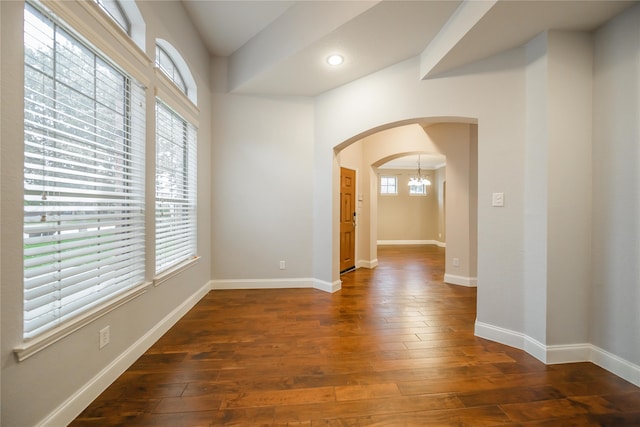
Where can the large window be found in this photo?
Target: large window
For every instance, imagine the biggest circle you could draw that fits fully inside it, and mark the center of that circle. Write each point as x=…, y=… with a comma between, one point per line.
x=175, y=188
x=83, y=177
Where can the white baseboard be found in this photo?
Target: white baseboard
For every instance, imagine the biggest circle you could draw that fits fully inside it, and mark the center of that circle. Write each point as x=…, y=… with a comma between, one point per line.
x=619, y=366
x=363, y=263
x=276, y=284
x=498, y=334
x=327, y=286
x=471, y=282
x=76, y=403
x=568, y=353
x=555, y=354
x=411, y=242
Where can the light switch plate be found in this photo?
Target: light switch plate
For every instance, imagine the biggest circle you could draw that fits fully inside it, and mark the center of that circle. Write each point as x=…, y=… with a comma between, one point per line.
x=497, y=199
x=105, y=336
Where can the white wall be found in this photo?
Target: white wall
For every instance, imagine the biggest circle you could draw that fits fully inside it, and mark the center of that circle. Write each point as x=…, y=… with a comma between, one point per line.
x=2, y=125
x=458, y=142
x=56, y=383
x=615, y=299
x=536, y=184
x=442, y=211
x=558, y=189
x=263, y=188
x=262, y=162
x=569, y=99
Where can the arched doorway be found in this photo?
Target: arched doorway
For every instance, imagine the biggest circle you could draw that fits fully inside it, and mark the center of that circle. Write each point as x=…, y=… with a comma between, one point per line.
x=456, y=141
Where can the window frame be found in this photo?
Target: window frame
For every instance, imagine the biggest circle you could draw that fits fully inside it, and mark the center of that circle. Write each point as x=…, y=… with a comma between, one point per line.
x=66, y=324
x=182, y=104
x=383, y=185
x=188, y=177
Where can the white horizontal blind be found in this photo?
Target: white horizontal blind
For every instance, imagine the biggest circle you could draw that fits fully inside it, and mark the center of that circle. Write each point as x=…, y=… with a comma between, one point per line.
x=83, y=176
x=175, y=188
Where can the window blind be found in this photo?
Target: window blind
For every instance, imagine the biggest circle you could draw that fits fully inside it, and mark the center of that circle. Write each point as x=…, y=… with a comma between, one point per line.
x=84, y=130
x=175, y=188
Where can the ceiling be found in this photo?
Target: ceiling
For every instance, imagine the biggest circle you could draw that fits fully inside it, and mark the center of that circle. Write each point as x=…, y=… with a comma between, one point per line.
x=427, y=162
x=280, y=47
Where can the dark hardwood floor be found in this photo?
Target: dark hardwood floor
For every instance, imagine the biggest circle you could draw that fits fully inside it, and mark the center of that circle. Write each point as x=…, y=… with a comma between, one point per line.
x=394, y=347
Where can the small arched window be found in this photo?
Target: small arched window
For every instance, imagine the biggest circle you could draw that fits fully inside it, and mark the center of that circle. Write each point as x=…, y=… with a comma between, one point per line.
x=126, y=14
x=166, y=64
x=115, y=11
x=171, y=63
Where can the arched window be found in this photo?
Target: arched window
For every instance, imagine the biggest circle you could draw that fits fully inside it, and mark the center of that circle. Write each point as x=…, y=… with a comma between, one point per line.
x=171, y=63
x=126, y=14
x=166, y=64
x=114, y=10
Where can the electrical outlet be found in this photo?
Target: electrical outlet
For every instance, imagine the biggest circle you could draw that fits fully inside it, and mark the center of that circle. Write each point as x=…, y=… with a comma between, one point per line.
x=283, y=265
x=456, y=262
x=105, y=336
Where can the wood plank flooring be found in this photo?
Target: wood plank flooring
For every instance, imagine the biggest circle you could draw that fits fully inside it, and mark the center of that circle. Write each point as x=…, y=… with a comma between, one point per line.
x=394, y=347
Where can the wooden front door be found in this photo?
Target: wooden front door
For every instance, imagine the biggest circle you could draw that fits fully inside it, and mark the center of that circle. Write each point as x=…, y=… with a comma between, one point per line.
x=347, y=219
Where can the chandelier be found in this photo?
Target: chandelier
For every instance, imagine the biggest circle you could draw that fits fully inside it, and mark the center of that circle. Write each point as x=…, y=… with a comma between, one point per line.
x=419, y=180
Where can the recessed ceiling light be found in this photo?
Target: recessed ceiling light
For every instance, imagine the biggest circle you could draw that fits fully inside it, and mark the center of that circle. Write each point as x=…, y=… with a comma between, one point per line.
x=335, y=59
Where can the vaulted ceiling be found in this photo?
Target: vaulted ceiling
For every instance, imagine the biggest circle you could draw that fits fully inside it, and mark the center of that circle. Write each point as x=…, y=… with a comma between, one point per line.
x=280, y=47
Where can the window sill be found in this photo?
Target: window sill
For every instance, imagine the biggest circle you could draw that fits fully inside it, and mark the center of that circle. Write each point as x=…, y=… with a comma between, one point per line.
x=175, y=270
x=35, y=345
